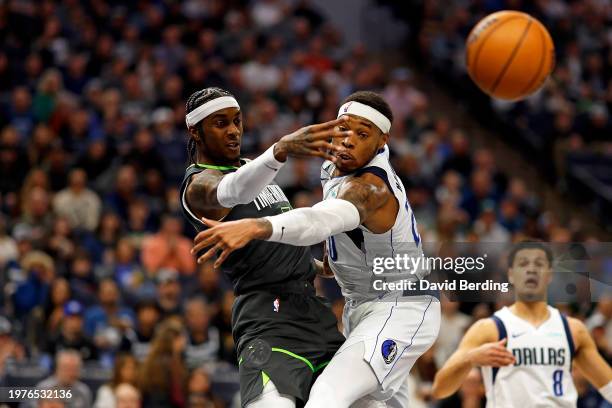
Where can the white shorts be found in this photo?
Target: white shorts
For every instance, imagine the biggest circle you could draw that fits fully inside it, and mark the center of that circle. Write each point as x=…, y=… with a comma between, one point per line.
x=395, y=334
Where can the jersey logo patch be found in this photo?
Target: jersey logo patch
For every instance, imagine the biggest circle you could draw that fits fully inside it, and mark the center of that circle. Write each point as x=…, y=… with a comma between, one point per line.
x=389, y=350
x=276, y=304
x=514, y=336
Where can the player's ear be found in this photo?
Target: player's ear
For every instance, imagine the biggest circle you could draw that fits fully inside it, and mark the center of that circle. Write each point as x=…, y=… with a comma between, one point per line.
x=383, y=140
x=193, y=132
x=549, y=275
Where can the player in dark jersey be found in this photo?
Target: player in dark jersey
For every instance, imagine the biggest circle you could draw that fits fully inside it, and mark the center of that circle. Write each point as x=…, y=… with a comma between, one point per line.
x=284, y=333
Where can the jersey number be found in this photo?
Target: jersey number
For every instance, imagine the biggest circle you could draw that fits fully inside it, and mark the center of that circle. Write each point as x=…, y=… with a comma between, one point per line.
x=558, y=383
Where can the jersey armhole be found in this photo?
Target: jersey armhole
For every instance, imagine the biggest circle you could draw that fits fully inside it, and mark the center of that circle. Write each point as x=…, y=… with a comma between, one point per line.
x=378, y=172
x=502, y=334
x=568, y=336
x=186, y=205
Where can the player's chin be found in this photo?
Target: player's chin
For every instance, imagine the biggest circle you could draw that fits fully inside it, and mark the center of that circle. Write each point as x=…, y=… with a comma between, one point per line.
x=232, y=152
x=347, y=166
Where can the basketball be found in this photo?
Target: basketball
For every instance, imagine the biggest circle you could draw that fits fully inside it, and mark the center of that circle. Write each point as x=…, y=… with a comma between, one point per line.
x=509, y=55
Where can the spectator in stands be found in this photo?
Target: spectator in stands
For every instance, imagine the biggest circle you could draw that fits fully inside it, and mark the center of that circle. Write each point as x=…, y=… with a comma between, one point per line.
x=72, y=335
x=199, y=392
x=10, y=349
x=169, y=292
x=106, y=321
x=203, y=340
x=38, y=273
x=59, y=295
x=164, y=372
x=168, y=249
x=81, y=278
x=108, y=311
x=67, y=373
x=455, y=323
x=124, y=191
x=8, y=245
x=77, y=203
x=137, y=341
x=127, y=271
x=125, y=371
x=208, y=284
x=127, y=396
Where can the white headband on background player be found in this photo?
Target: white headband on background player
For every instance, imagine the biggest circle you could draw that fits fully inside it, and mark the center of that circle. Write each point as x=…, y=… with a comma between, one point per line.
x=367, y=112
x=245, y=184
x=209, y=108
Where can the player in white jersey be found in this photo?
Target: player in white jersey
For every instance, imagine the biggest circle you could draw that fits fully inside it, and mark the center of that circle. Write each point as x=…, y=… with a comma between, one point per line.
x=364, y=215
x=526, y=351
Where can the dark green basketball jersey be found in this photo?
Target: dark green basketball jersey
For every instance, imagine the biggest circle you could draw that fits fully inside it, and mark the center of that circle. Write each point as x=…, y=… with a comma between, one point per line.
x=259, y=263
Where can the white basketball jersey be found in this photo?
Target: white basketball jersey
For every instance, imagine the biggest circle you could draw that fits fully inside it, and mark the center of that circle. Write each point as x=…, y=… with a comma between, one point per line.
x=351, y=254
x=541, y=375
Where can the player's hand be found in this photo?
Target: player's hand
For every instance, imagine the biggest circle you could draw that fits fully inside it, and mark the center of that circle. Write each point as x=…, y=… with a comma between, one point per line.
x=311, y=141
x=491, y=354
x=227, y=237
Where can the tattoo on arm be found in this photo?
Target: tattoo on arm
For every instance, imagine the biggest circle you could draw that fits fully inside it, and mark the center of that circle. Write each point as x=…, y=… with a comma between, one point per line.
x=201, y=192
x=366, y=196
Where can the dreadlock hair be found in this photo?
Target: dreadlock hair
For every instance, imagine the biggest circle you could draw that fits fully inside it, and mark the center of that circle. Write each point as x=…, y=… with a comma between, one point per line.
x=199, y=98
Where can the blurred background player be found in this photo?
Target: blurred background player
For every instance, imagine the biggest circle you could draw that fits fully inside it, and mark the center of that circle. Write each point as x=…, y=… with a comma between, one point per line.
x=365, y=213
x=526, y=351
x=276, y=306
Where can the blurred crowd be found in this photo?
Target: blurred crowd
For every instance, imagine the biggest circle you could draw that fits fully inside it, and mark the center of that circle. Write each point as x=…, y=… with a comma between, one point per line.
x=98, y=289
x=570, y=119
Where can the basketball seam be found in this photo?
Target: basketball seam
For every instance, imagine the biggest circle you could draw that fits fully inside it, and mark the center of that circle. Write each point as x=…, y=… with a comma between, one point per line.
x=531, y=82
x=514, y=52
x=482, y=43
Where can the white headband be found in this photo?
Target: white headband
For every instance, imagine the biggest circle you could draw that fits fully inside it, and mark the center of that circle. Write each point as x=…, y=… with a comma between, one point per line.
x=209, y=108
x=366, y=112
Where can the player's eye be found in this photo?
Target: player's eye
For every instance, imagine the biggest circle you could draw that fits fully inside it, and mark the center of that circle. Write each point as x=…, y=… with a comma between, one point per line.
x=237, y=121
x=221, y=123
x=363, y=135
x=342, y=128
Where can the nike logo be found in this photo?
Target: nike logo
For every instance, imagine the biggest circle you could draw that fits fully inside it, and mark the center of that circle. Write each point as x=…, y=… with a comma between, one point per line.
x=514, y=336
x=282, y=233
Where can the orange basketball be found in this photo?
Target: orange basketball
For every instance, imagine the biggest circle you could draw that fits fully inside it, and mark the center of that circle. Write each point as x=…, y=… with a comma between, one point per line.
x=509, y=55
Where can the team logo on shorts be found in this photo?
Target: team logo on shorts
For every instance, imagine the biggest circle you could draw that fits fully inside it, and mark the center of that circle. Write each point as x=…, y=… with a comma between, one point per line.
x=276, y=305
x=389, y=350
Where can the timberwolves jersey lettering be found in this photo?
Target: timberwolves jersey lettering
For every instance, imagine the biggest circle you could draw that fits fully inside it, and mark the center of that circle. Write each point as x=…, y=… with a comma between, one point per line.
x=541, y=375
x=351, y=254
x=259, y=263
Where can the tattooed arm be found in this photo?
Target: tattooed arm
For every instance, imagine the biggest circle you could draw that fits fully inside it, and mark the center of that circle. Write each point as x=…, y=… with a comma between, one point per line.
x=358, y=202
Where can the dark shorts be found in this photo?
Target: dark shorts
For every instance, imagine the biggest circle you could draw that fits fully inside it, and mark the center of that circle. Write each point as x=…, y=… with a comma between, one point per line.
x=286, y=336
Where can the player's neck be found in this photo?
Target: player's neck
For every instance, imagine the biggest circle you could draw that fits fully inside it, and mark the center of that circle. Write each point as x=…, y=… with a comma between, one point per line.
x=535, y=313
x=206, y=159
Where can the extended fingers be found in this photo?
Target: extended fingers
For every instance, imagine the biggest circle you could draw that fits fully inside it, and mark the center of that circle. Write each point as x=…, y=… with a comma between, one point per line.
x=226, y=252
x=202, y=240
x=331, y=133
x=327, y=125
x=210, y=253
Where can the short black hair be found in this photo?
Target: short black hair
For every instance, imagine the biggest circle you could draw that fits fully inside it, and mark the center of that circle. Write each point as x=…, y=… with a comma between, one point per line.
x=198, y=98
x=373, y=100
x=530, y=245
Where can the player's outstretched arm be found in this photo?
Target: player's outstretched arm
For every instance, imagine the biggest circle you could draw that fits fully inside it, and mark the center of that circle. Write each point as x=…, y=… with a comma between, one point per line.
x=589, y=361
x=300, y=227
x=480, y=346
x=210, y=191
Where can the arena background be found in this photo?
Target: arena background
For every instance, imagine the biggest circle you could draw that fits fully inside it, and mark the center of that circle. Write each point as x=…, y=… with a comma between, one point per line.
x=94, y=253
